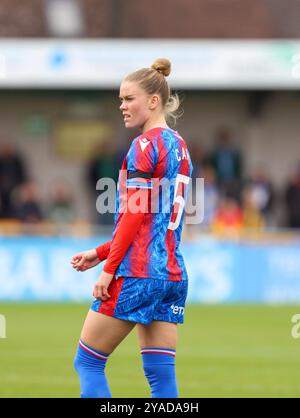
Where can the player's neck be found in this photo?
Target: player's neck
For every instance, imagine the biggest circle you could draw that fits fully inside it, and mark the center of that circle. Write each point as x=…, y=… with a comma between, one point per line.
x=159, y=122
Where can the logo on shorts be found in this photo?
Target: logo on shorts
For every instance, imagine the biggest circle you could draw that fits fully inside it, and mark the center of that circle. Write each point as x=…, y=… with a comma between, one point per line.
x=177, y=310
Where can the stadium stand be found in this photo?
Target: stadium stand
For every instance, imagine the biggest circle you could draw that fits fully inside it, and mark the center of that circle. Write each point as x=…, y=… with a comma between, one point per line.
x=241, y=19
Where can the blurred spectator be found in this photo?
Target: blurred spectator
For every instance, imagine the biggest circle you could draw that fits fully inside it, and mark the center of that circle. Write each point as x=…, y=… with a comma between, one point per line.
x=61, y=207
x=252, y=215
x=12, y=174
x=27, y=204
x=211, y=195
x=198, y=158
x=124, y=147
x=228, y=221
x=261, y=191
x=104, y=164
x=227, y=162
x=292, y=199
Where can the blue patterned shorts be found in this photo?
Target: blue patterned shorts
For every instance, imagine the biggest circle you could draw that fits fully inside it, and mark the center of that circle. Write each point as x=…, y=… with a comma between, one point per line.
x=144, y=300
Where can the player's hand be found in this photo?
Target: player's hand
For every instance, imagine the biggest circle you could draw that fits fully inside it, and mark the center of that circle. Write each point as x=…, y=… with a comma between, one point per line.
x=85, y=260
x=101, y=286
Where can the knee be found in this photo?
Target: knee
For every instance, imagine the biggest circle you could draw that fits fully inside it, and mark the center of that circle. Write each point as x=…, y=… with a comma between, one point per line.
x=159, y=370
x=149, y=370
x=79, y=360
x=162, y=380
x=90, y=367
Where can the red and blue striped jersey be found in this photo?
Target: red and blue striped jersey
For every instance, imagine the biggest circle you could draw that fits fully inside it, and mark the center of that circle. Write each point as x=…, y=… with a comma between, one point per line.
x=157, y=160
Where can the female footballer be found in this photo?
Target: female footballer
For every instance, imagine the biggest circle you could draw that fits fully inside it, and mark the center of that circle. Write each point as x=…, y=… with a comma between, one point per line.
x=144, y=281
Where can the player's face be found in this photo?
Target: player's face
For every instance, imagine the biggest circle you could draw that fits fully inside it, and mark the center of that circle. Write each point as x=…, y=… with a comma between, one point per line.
x=135, y=104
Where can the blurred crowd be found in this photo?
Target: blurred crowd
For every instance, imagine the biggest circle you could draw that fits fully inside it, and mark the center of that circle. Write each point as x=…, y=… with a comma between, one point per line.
x=233, y=202
x=20, y=200
x=236, y=203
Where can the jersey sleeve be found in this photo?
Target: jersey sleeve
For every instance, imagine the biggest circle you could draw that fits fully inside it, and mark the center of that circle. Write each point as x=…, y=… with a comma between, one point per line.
x=103, y=251
x=141, y=162
x=126, y=230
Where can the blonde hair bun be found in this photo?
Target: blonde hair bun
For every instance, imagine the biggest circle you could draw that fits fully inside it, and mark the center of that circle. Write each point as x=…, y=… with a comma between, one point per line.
x=162, y=65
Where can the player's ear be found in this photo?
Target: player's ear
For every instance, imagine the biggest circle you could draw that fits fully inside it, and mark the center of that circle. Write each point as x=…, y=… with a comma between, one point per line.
x=154, y=101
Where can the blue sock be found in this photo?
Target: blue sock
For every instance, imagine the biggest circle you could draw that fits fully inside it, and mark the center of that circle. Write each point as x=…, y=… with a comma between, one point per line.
x=90, y=365
x=159, y=368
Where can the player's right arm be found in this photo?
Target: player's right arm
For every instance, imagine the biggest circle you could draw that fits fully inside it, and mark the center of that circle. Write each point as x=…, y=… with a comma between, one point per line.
x=141, y=161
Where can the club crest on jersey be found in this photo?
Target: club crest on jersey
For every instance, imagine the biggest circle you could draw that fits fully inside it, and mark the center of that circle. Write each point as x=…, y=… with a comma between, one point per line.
x=143, y=143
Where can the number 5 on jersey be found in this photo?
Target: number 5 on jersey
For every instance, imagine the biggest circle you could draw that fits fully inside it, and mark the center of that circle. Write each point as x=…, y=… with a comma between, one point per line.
x=181, y=184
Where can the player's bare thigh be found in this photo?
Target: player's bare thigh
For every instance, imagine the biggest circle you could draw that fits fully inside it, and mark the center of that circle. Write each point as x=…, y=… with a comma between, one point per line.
x=104, y=333
x=158, y=334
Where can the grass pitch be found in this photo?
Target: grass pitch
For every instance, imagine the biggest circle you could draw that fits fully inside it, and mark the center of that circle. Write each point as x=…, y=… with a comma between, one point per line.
x=223, y=351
